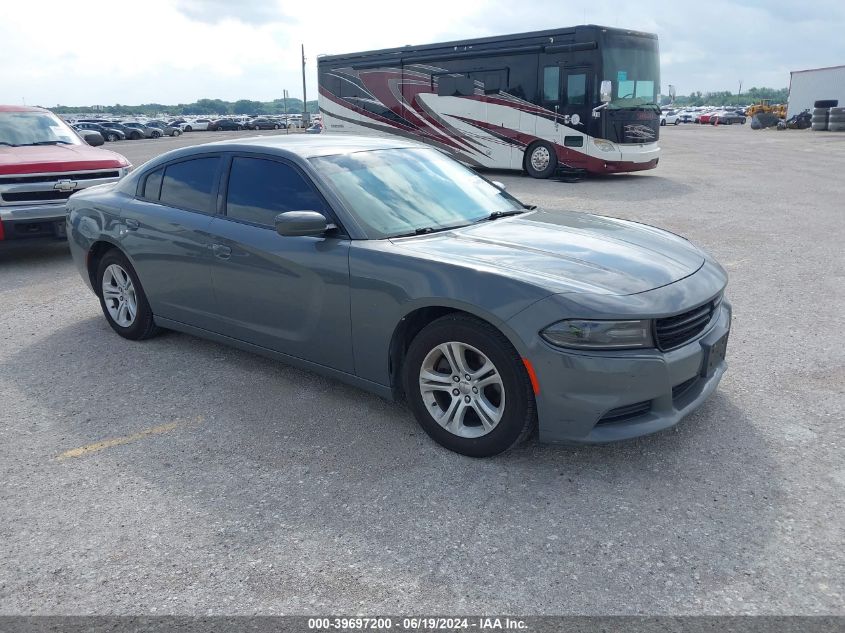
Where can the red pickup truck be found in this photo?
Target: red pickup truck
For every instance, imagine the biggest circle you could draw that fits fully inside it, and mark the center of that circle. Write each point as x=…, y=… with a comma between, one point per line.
x=42, y=162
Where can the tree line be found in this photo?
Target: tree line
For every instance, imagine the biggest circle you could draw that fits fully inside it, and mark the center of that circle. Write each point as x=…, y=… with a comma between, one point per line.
x=726, y=97
x=202, y=106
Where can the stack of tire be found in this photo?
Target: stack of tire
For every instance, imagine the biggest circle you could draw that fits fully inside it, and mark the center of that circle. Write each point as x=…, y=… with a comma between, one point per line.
x=836, y=120
x=826, y=114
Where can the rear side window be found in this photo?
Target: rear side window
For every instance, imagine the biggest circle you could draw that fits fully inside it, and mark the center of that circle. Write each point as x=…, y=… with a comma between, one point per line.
x=551, y=83
x=152, y=186
x=260, y=189
x=188, y=184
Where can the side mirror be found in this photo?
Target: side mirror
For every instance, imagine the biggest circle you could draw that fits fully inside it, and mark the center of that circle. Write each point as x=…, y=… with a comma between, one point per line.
x=301, y=224
x=606, y=91
x=92, y=137
x=498, y=185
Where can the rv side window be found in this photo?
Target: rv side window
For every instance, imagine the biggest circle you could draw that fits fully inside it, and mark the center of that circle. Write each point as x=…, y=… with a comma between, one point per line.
x=576, y=89
x=450, y=86
x=551, y=83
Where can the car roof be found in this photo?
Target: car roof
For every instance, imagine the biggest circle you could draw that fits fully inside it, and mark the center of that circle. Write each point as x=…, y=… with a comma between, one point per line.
x=21, y=108
x=311, y=145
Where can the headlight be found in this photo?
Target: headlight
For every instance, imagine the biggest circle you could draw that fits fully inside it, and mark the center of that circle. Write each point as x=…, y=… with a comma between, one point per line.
x=584, y=334
x=603, y=145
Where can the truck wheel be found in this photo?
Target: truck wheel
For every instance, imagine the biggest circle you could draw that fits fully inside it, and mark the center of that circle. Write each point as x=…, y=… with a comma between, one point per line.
x=540, y=160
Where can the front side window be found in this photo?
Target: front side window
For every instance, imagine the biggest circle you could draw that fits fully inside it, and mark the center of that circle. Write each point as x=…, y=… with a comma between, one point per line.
x=551, y=83
x=188, y=184
x=396, y=192
x=576, y=89
x=260, y=189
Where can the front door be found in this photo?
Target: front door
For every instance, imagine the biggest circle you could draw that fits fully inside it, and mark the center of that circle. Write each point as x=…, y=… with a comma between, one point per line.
x=288, y=294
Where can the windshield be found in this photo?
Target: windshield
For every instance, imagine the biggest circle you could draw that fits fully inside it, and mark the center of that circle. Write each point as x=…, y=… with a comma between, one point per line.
x=395, y=192
x=35, y=128
x=635, y=72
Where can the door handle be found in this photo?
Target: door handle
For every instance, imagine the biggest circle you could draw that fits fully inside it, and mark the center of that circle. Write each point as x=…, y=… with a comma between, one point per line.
x=132, y=225
x=220, y=251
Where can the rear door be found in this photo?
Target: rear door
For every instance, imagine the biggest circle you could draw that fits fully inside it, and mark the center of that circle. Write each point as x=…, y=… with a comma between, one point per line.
x=288, y=294
x=166, y=234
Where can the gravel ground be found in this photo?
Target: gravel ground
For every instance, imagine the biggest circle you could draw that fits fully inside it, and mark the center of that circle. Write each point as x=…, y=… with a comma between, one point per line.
x=244, y=486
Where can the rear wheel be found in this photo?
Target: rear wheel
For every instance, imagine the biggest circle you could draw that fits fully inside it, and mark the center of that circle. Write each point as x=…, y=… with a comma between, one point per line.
x=468, y=388
x=122, y=298
x=111, y=137
x=540, y=160
x=188, y=128
x=177, y=132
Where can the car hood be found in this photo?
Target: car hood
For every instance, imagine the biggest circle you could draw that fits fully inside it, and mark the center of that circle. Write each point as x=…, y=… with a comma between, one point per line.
x=567, y=252
x=57, y=158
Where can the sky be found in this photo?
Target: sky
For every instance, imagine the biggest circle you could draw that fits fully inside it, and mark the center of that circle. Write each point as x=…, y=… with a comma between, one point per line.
x=178, y=51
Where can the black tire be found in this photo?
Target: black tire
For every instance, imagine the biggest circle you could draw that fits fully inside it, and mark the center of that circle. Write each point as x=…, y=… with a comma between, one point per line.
x=177, y=132
x=111, y=137
x=836, y=127
x=836, y=118
x=136, y=136
x=519, y=415
x=552, y=164
x=826, y=103
x=240, y=127
x=143, y=326
x=837, y=111
x=662, y=122
x=188, y=128
x=677, y=121
x=818, y=127
x=156, y=134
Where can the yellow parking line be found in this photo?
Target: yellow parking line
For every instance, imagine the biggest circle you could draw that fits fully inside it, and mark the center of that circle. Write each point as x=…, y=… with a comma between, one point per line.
x=119, y=441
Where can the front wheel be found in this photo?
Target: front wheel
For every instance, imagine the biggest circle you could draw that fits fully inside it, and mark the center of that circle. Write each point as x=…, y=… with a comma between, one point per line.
x=122, y=298
x=177, y=132
x=468, y=388
x=540, y=160
x=188, y=128
x=111, y=137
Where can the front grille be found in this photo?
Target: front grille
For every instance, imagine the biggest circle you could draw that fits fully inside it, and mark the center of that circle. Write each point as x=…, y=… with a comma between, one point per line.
x=628, y=412
x=674, y=331
x=36, y=196
x=21, y=180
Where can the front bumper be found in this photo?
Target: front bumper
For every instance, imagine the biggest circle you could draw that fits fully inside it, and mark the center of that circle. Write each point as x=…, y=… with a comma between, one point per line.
x=608, y=396
x=33, y=221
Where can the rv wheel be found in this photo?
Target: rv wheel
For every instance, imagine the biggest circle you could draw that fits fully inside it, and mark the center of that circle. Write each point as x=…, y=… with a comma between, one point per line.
x=540, y=160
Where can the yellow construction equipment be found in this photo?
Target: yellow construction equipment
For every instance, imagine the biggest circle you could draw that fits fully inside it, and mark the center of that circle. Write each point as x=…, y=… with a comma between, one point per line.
x=765, y=105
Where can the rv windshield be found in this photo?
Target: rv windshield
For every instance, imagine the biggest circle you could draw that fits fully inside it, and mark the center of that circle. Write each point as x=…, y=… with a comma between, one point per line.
x=635, y=73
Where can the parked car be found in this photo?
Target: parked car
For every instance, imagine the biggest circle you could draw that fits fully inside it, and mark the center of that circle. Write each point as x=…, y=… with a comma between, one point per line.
x=399, y=270
x=129, y=132
x=108, y=133
x=197, y=125
x=166, y=129
x=669, y=117
x=314, y=129
x=224, y=124
x=725, y=117
x=686, y=116
x=42, y=162
x=263, y=123
x=703, y=117
x=147, y=131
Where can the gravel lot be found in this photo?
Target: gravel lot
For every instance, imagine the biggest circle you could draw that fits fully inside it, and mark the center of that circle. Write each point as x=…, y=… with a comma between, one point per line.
x=265, y=489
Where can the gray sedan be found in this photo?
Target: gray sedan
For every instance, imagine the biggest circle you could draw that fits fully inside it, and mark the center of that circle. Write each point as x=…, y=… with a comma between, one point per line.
x=389, y=266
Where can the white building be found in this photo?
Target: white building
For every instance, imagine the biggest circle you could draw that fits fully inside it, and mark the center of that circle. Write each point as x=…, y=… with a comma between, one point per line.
x=808, y=86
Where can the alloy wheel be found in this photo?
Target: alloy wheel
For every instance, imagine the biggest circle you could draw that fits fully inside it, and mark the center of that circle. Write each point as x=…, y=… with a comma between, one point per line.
x=462, y=389
x=119, y=295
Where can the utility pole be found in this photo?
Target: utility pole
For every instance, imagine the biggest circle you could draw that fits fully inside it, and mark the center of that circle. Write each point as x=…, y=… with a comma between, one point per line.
x=306, y=119
x=287, y=120
x=739, y=94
